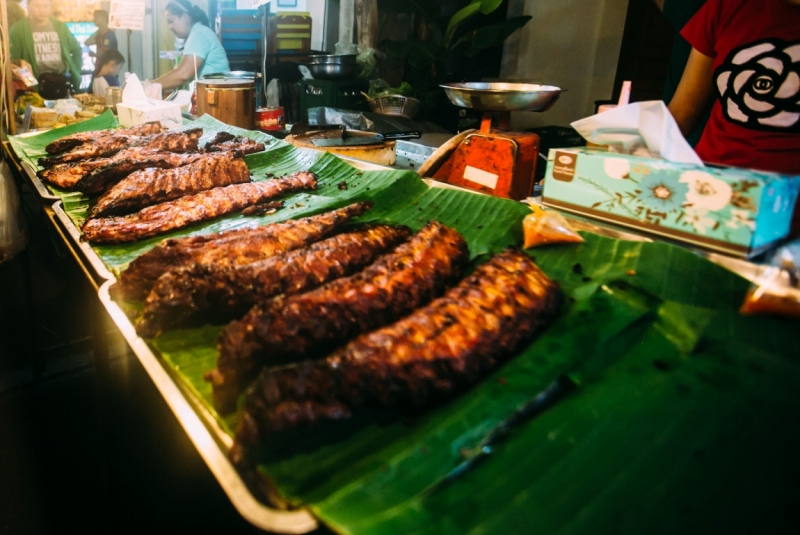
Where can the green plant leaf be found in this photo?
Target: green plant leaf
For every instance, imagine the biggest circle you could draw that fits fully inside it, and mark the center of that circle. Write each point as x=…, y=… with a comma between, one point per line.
x=461, y=16
x=487, y=6
x=494, y=34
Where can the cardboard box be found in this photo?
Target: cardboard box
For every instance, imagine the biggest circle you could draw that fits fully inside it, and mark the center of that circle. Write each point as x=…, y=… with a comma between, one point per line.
x=136, y=113
x=735, y=211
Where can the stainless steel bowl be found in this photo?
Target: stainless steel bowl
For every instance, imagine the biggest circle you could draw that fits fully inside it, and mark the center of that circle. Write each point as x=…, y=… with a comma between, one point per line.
x=499, y=96
x=329, y=71
x=327, y=59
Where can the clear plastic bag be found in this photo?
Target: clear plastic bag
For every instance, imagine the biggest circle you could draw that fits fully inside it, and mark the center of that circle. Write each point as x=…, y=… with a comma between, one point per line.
x=777, y=291
x=12, y=227
x=542, y=227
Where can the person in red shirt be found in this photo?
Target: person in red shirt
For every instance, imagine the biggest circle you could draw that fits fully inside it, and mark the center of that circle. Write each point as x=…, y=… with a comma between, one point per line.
x=746, y=57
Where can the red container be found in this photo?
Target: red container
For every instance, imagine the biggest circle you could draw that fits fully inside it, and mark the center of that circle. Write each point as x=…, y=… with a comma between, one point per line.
x=270, y=119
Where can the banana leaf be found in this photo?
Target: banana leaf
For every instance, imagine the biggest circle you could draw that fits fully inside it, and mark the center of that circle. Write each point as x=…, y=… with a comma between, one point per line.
x=650, y=404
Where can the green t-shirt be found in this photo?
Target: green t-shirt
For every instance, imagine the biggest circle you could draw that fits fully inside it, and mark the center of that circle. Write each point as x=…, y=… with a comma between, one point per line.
x=202, y=43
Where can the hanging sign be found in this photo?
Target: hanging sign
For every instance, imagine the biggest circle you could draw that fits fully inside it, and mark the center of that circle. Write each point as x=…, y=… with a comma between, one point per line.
x=126, y=15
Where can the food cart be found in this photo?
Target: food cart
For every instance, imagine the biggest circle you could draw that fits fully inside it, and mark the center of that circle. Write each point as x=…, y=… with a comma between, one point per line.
x=649, y=403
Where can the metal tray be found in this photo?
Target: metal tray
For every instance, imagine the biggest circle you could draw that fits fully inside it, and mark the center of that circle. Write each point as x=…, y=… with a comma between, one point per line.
x=211, y=441
x=200, y=425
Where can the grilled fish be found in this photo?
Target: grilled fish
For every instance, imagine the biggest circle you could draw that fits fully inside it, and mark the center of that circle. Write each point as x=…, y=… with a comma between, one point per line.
x=103, y=147
x=234, y=247
x=152, y=186
x=426, y=357
x=94, y=176
x=68, y=142
x=203, y=206
x=228, y=291
x=238, y=143
x=296, y=326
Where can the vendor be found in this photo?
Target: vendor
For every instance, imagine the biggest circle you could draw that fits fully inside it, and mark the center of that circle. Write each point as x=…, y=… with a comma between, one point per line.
x=109, y=65
x=104, y=39
x=47, y=44
x=745, y=59
x=202, y=51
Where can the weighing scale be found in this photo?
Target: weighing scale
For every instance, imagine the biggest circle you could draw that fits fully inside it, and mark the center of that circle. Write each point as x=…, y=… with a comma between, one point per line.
x=492, y=160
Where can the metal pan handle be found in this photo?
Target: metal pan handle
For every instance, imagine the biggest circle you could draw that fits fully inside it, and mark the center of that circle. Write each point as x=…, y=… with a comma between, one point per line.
x=409, y=134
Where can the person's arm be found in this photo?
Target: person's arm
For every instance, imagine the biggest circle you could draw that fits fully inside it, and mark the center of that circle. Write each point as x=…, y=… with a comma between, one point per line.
x=92, y=40
x=181, y=74
x=99, y=86
x=695, y=92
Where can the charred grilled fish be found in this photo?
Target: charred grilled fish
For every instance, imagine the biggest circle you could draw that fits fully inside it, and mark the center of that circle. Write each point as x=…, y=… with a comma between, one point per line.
x=426, y=357
x=102, y=147
x=296, y=326
x=228, y=291
x=147, y=187
x=234, y=247
x=210, y=204
x=94, y=176
x=68, y=142
x=238, y=143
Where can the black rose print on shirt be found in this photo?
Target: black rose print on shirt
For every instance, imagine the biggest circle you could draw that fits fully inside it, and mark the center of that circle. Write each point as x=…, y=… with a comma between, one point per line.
x=759, y=85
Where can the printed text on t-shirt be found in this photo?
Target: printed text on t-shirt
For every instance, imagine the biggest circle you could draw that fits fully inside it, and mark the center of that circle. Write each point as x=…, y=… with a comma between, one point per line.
x=47, y=46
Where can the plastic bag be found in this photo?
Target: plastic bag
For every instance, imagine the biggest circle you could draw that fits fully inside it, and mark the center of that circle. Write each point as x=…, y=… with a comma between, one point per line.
x=12, y=227
x=542, y=227
x=777, y=291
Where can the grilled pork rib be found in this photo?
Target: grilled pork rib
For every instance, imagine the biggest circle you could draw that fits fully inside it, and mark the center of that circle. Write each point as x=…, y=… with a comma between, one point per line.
x=147, y=187
x=107, y=146
x=68, y=142
x=242, y=144
x=427, y=356
x=234, y=247
x=94, y=176
x=228, y=291
x=203, y=206
x=291, y=327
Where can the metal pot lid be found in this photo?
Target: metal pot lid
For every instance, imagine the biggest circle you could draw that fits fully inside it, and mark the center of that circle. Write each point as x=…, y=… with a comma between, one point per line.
x=228, y=82
x=232, y=74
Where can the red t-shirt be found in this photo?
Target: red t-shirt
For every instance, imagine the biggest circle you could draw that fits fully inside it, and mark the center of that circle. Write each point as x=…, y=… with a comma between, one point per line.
x=755, y=122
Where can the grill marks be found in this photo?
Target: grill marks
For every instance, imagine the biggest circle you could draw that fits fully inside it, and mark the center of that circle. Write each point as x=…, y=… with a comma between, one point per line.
x=68, y=142
x=291, y=327
x=151, y=186
x=105, y=146
x=203, y=206
x=234, y=247
x=227, y=291
x=425, y=357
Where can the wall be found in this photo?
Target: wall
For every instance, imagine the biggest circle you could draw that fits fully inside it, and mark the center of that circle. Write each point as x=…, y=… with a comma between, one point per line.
x=572, y=44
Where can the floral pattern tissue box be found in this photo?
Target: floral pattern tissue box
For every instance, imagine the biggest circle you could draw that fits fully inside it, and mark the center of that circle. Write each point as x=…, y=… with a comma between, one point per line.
x=736, y=211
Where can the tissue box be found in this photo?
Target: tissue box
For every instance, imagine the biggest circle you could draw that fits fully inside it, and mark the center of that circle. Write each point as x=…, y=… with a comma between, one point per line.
x=735, y=211
x=135, y=113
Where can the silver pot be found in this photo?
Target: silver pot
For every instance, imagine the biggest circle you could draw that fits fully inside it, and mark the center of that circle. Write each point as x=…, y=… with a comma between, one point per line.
x=327, y=59
x=326, y=71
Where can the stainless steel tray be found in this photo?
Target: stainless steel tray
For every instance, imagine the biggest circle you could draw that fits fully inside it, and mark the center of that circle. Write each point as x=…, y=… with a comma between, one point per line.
x=211, y=441
x=203, y=430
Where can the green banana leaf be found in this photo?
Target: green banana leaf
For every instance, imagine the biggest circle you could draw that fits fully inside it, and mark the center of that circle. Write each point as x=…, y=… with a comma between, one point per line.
x=649, y=405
